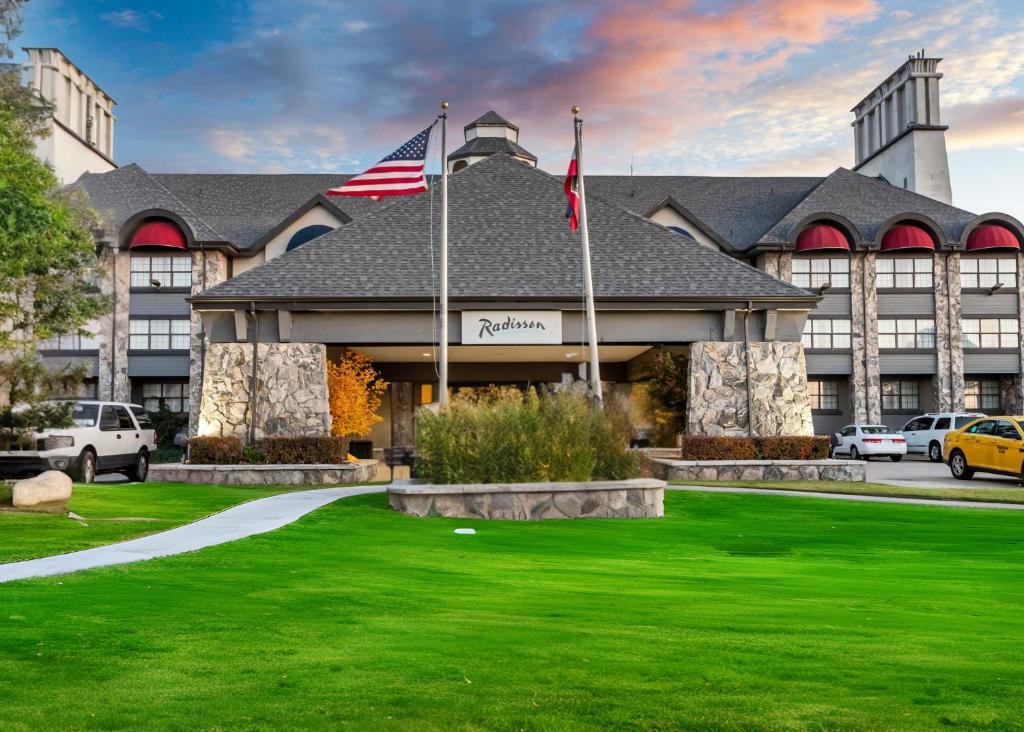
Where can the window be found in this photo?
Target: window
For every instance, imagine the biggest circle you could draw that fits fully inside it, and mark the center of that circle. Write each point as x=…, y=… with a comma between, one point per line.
x=906, y=333
x=919, y=424
x=108, y=420
x=985, y=427
x=848, y=431
x=900, y=272
x=70, y=343
x=877, y=429
x=168, y=271
x=942, y=423
x=172, y=397
x=158, y=335
x=124, y=419
x=900, y=396
x=988, y=272
x=142, y=417
x=990, y=332
x=813, y=272
x=981, y=394
x=1006, y=430
x=823, y=395
x=827, y=333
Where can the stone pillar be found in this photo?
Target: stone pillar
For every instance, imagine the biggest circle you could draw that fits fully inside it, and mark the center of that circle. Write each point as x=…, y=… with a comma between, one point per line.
x=115, y=281
x=291, y=390
x=403, y=418
x=208, y=269
x=1010, y=401
x=865, y=383
x=1018, y=397
x=948, y=381
x=778, y=264
x=717, y=392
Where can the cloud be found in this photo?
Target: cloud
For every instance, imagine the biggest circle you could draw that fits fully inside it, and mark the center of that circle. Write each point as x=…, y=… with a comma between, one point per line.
x=130, y=19
x=992, y=123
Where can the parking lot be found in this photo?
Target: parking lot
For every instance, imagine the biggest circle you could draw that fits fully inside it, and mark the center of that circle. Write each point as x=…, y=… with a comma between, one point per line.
x=917, y=471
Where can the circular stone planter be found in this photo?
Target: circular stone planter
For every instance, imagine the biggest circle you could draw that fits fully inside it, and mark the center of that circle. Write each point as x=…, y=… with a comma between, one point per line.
x=638, y=498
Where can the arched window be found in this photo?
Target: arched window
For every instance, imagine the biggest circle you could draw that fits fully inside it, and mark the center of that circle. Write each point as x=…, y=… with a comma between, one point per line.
x=157, y=232
x=459, y=165
x=305, y=234
x=684, y=232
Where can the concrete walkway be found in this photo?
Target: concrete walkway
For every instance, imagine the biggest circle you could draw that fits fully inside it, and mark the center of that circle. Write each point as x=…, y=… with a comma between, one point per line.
x=237, y=522
x=848, y=497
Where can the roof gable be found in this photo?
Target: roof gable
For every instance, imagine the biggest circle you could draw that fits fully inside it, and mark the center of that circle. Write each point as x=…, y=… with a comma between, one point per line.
x=508, y=239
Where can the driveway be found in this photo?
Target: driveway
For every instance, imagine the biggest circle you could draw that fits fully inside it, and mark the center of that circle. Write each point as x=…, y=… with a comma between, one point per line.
x=917, y=472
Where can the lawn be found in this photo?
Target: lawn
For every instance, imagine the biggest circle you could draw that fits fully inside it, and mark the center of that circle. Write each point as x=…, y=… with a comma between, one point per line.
x=104, y=508
x=984, y=495
x=733, y=612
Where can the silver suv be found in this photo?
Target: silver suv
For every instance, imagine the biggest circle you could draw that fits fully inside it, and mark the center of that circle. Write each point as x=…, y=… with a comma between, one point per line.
x=105, y=437
x=925, y=433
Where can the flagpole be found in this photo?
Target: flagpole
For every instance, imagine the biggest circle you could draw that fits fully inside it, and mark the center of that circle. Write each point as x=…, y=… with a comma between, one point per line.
x=443, y=376
x=595, y=365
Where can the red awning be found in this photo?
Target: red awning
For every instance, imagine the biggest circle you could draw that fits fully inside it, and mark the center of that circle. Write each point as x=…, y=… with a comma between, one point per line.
x=821, y=236
x=158, y=234
x=991, y=236
x=906, y=236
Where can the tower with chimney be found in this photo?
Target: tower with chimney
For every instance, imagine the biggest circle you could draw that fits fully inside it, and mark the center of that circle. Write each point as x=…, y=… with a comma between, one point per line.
x=898, y=132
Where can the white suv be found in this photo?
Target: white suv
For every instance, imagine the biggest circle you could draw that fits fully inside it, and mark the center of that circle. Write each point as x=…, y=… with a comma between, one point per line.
x=106, y=437
x=925, y=433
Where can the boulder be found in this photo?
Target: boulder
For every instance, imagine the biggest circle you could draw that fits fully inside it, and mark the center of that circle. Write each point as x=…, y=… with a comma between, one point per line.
x=52, y=486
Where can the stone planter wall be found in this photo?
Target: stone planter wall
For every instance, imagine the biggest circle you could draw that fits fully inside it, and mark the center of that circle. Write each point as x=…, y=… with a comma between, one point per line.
x=639, y=498
x=362, y=472
x=686, y=470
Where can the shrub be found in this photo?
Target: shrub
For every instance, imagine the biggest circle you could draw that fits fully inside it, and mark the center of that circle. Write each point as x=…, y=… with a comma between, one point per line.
x=505, y=436
x=754, y=448
x=268, y=451
x=215, y=450
x=167, y=424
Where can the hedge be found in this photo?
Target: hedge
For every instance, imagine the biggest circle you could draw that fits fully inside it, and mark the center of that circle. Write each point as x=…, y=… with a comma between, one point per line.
x=268, y=451
x=754, y=448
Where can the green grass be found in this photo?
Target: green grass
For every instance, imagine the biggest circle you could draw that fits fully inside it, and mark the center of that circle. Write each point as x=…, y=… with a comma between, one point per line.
x=997, y=495
x=30, y=535
x=733, y=612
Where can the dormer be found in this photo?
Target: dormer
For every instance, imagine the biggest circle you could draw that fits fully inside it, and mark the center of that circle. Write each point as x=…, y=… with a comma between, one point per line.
x=486, y=135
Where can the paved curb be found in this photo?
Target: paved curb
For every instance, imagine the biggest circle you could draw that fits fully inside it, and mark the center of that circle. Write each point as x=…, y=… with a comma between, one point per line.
x=848, y=497
x=246, y=519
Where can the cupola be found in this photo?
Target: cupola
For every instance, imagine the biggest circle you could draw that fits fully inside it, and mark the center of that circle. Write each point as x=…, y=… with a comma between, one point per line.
x=486, y=135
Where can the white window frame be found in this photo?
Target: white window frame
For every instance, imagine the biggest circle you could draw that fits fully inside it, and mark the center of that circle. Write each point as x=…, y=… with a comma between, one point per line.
x=990, y=333
x=977, y=273
x=159, y=334
x=172, y=271
x=904, y=273
x=813, y=272
x=906, y=334
x=827, y=334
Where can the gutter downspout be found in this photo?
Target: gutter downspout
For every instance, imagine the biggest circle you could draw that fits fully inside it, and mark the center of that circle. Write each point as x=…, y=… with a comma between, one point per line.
x=252, y=379
x=746, y=355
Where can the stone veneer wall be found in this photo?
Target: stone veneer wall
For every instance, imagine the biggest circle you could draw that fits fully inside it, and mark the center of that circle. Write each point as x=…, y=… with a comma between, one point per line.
x=291, y=390
x=208, y=269
x=717, y=393
x=866, y=387
x=1016, y=405
x=685, y=470
x=948, y=381
x=115, y=276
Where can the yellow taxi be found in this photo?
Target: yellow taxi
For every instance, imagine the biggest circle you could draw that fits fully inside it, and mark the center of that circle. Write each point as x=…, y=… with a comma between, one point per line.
x=988, y=445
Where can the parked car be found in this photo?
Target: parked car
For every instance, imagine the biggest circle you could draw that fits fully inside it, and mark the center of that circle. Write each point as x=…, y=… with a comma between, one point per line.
x=988, y=445
x=105, y=437
x=864, y=441
x=925, y=434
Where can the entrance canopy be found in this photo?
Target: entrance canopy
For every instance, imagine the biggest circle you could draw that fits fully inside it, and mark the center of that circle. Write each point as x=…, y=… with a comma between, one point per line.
x=567, y=354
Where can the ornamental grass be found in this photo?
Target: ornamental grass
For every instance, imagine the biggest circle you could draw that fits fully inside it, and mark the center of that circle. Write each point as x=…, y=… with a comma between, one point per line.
x=503, y=435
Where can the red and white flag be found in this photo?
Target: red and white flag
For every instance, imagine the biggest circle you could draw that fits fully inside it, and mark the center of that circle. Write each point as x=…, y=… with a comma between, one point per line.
x=572, y=194
x=399, y=174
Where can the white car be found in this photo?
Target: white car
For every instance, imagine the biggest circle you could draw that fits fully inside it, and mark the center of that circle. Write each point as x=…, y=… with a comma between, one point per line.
x=106, y=437
x=925, y=434
x=864, y=441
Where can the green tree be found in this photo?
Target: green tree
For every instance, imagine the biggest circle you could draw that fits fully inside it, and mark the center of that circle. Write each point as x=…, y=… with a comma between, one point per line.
x=47, y=255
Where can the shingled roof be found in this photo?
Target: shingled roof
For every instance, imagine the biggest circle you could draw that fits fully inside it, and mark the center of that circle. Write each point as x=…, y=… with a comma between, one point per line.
x=486, y=146
x=867, y=203
x=491, y=119
x=508, y=239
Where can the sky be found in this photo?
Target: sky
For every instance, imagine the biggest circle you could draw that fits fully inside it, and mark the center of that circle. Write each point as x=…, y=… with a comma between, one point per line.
x=684, y=87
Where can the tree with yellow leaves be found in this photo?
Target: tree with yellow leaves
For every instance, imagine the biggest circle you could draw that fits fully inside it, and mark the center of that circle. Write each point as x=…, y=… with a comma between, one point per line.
x=355, y=390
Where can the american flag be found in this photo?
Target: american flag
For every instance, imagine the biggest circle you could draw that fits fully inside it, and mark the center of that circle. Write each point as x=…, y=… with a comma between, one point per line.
x=400, y=173
x=572, y=194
